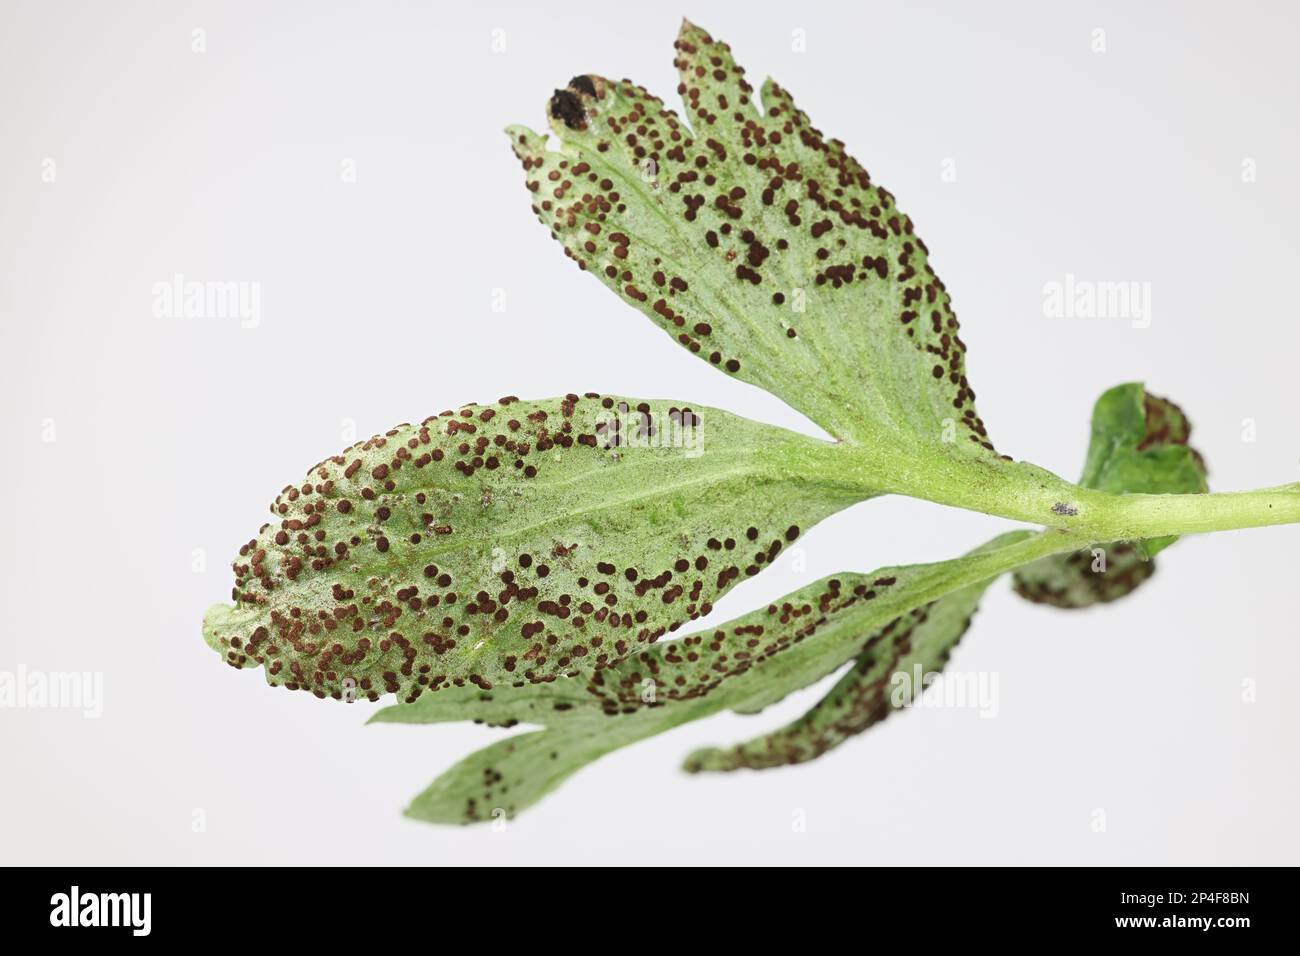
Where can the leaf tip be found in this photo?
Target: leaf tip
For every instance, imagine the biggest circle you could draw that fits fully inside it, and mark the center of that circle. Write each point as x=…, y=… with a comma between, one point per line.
x=222, y=626
x=705, y=760
x=525, y=143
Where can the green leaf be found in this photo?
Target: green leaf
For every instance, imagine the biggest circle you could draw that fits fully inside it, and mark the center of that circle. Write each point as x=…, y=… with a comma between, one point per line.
x=512, y=774
x=761, y=246
x=1139, y=445
x=514, y=543
x=883, y=678
x=901, y=614
x=1091, y=576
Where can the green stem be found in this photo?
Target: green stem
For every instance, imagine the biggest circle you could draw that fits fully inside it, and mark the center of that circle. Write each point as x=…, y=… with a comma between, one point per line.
x=1024, y=492
x=1117, y=517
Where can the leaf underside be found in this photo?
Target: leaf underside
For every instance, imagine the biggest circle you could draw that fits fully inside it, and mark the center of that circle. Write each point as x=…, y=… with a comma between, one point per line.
x=512, y=543
x=1139, y=444
x=760, y=245
x=864, y=696
x=743, y=665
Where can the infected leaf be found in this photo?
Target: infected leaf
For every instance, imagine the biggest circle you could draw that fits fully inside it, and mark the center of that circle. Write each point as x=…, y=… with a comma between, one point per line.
x=514, y=543
x=1139, y=445
x=867, y=693
x=761, y=246
x=900, y=614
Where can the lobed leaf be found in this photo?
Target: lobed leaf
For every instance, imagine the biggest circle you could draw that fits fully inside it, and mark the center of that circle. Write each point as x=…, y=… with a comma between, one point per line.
x=895, y=614
x=865, y=695
x=514, y=543
x=761, y=246
x=1139, y=444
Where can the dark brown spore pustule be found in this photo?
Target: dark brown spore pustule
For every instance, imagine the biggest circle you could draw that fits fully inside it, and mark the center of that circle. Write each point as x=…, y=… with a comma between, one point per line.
x=566, y=106
x=583, y=84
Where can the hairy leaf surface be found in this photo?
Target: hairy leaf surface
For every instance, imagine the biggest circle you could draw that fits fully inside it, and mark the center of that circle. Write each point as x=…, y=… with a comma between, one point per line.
x=867, y=693
x=894, y=614
x=761, y=246
x=513, y=544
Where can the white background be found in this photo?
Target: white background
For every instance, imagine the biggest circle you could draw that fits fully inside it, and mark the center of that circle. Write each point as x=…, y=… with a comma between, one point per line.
x=174, y=434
